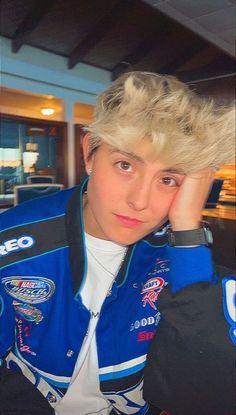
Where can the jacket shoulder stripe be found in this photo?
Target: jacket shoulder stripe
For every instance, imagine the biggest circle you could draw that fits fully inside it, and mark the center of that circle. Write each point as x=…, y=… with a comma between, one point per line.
x=122, y=373
x=129, y=367
x=36, y=256
x=32, y=222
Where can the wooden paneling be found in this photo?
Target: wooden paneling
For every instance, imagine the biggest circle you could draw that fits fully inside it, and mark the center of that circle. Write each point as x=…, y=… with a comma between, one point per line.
x=224, y=240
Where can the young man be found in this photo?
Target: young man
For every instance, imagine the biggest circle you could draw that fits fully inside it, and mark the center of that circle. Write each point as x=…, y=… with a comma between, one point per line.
x=81, y=271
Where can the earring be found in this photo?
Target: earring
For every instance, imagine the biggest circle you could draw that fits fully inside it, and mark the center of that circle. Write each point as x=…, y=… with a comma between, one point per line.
x=89, y=171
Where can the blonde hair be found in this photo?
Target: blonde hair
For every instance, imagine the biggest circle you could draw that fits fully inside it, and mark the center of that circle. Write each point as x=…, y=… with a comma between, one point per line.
x=189, y=132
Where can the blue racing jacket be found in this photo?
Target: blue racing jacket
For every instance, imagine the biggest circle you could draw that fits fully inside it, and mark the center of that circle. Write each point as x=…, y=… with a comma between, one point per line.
x=43, y=321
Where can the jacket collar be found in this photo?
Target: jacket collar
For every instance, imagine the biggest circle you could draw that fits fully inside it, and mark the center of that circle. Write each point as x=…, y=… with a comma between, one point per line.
x=75, y=237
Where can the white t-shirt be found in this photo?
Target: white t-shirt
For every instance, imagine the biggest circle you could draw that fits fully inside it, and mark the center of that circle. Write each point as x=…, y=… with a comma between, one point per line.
x=83, y=396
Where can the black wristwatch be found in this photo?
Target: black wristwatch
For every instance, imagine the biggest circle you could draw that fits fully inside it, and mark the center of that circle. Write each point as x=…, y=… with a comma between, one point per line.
x=200, y=236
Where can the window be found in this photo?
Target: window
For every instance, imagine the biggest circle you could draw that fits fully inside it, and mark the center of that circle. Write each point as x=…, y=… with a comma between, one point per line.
x=30, y=147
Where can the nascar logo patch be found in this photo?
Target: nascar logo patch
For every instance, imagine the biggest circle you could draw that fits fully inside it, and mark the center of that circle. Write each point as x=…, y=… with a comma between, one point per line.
x=31, y=290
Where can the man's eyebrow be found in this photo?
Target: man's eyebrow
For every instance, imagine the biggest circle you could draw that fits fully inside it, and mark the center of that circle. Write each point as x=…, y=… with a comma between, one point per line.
x=131, y=155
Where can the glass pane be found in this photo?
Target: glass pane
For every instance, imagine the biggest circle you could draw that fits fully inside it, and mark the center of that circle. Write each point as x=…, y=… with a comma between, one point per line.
x=10, y=156
x=25, y=149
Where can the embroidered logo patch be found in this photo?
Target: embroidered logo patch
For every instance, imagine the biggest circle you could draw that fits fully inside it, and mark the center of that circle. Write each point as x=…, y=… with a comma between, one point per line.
x=161, y=267
x=23, y=332
x=19, y=244
x=145, y=335
x=28, y=312
x=144, y=322
x=30, y=290
x=151, y=289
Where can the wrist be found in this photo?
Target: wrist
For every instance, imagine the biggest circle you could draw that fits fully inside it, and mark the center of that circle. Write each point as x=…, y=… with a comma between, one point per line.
x=185, y=225
x=190, y=237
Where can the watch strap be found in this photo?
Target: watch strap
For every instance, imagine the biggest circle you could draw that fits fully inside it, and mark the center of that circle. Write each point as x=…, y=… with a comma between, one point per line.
x=200, y=236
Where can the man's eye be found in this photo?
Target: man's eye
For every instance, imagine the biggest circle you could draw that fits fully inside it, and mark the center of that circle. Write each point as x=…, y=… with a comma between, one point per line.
x=124, y=165
x=169, y=181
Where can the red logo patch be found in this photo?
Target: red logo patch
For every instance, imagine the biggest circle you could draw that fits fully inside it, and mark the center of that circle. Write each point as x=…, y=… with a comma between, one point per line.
x=145, y=335
x=151, y=291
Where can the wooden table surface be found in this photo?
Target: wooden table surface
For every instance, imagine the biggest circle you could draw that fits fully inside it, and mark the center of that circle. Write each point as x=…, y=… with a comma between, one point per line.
x=223, y=212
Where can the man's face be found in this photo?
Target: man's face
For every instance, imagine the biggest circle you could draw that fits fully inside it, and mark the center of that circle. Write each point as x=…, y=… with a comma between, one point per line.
x=129, y=193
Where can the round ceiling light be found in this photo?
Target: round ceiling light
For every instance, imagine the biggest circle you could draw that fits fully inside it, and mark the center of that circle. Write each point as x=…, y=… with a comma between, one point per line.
x=47, y=111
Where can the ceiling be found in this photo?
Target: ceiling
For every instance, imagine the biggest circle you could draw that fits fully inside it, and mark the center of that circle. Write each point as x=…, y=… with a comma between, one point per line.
x=192, y=39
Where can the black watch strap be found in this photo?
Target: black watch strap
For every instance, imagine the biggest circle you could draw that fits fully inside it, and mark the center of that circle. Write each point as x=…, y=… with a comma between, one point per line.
x=200, y=236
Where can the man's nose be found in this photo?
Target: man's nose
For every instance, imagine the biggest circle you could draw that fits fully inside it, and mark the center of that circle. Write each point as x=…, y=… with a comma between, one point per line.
x=139, y=196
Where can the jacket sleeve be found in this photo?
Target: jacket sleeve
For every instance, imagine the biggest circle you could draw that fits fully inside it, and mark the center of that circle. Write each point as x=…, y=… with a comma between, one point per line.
x=6, y=309
x=191, y=362
x=6, y=323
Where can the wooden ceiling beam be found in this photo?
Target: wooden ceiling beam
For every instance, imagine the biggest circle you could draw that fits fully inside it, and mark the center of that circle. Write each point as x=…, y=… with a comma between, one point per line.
x=221, y=66
x=143, y=49
x=38, y=10
x=99, y=31
x=184, y=55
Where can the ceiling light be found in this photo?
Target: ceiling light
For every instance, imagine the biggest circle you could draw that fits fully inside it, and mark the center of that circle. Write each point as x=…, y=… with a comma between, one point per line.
x=47, y=111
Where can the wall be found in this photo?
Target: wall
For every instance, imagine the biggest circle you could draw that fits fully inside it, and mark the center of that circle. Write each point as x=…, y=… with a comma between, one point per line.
x=37, y=71
x=45, y=75
x=223, y=91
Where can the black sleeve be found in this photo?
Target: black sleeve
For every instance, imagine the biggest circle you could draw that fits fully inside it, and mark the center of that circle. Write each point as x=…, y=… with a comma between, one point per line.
x=191, y=362
x=18, y=396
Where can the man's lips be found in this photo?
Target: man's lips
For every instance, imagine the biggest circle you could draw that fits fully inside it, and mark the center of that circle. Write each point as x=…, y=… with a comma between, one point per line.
x=126, y=220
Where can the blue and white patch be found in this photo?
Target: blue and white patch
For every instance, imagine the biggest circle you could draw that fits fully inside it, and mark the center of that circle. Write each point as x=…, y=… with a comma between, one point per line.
x=161, y=231
x=229, y=303
x=28, y=312
x=31, y=290
x=16, y=244
x=129, y=401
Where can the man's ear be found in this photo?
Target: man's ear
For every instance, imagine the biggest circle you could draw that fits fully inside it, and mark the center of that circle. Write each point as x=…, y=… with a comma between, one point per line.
x=88, y=161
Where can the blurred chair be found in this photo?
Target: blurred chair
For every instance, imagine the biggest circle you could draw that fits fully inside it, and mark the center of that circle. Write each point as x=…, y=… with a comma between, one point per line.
x=214, y=194
x=40, y=179
x=25, y=192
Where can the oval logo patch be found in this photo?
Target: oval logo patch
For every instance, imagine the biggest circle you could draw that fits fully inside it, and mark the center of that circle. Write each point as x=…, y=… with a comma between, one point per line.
x=28, y=312
x=30, y=290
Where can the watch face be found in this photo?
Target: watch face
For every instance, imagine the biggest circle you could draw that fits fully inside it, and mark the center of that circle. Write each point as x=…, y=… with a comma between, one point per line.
x=208, y=233
x=209, y=236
